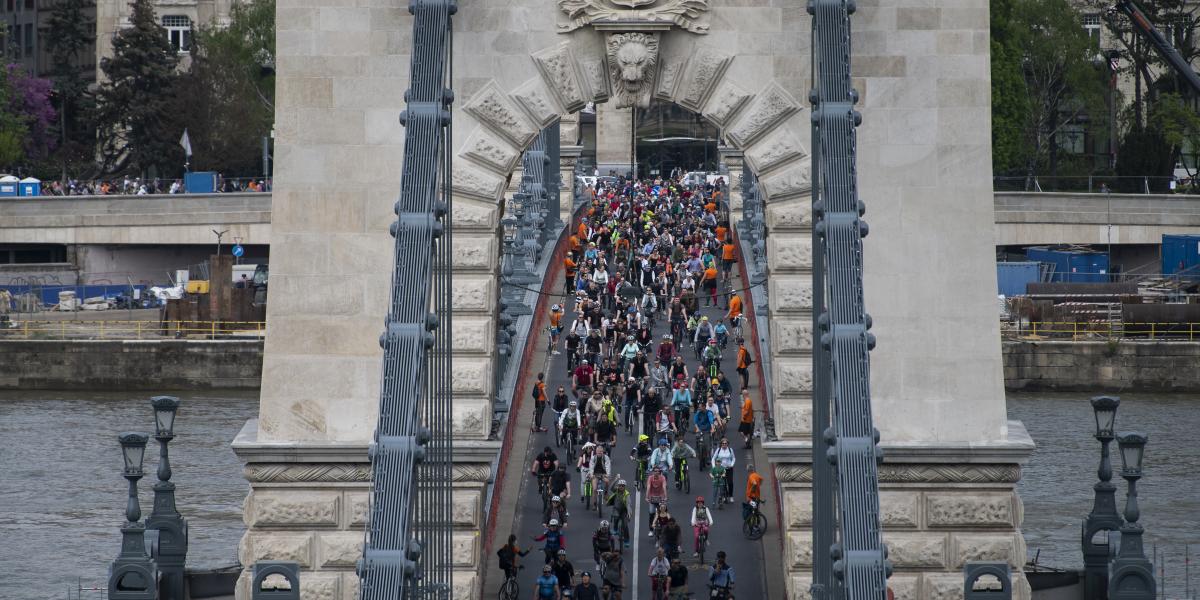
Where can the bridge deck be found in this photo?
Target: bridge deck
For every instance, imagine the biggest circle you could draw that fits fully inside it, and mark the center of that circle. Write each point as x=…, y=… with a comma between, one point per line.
x=520, y=495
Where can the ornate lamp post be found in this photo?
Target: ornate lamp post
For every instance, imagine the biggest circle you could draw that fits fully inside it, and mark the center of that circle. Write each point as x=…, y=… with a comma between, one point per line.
x=172, y=528
x=1132, y=575
x=133, y=575
x=1104, y=517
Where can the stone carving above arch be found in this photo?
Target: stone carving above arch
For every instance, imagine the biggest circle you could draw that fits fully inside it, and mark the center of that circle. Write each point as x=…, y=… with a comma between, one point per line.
x=771, y=107
x=595, y=74
x=724, y=103
x=537, y=102
x=668, y=75
x=704, y=70
x=496, y=111
x=632, y=62
x=795, y=181
x=562, y=75
x=777, y=149
x=688, y=14
x=491, y=150
x=469, y=180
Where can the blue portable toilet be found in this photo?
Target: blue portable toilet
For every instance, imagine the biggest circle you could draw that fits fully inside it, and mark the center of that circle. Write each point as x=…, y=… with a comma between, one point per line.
x=30, y=187
x=200, y=182
x=1181, y=253
x=1012, y=276
x=1072, y=265
x=8, y=185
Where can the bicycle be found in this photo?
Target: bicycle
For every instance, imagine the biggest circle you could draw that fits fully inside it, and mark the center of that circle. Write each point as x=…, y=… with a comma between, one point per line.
x=702, y=544
x=585, y=493
x=599, y=492
x=681, y=475
x=640, y=479
x=754, y=525
x=510, y=589
x=660, y=587
x=702, y=445
x=568, y=435
x=620, y=527
x=719, y=491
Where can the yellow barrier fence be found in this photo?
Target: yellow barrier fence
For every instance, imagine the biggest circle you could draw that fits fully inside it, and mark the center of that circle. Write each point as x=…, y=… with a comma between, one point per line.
x=1084, y=331
x=130, y=330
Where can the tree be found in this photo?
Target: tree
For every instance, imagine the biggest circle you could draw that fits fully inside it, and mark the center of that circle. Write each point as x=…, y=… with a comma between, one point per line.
x=1062, y=79
x=12, y=127
x=133, y=106
x=70, y=35
x=233, y=78
x=1010, y=98
x=29, y=100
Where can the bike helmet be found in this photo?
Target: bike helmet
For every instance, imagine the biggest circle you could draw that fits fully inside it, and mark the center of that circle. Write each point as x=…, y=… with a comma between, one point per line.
x=554, y=522
x=700, y=499
x=562, y=552
x=584, y=361
x=604, y=524
x=556, y=499
x=703, y=318
x=620, y=483
x=712, y=342
x=556, y=308
x=574, y=403
x=715, y=381
x=643, y=438
x=666, y=336
x=545, y=568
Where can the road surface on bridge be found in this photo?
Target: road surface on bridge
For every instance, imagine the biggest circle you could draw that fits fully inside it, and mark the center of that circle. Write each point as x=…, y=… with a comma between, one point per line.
x=744, y=555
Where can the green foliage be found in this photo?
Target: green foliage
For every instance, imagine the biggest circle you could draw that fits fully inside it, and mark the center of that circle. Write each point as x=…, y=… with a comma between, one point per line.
x=68, y=40
x=228, y=97
x=134, y=106
x=12, y=127
x=1010, y=98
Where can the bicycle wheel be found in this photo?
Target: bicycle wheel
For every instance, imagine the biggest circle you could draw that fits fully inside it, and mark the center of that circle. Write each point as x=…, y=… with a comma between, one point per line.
x=702, y=547
x=687, y=482
x=754, y=526
x=509, y=590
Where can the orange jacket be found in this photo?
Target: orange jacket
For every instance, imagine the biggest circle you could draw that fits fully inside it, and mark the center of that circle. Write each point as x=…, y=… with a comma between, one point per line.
x=743, y=358
x=727, y=251
x=735, y=306
x=747, y=410
x=721, y=231
x=754, y=487
x=710, y=274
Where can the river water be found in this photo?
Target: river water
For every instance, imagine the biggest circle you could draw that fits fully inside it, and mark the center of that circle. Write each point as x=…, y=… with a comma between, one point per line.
x=62, y=496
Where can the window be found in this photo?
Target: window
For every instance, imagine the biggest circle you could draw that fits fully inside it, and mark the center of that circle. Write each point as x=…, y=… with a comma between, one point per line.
x=1072, y=138
x=179, y=32
x=28, y=4
x=16, y=29
x=1091, y=24
x=29, y=39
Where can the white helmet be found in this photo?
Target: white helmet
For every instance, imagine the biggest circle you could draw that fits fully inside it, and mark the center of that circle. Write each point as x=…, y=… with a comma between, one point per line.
x=556, y=499
x=556, y=308
x=554, y=522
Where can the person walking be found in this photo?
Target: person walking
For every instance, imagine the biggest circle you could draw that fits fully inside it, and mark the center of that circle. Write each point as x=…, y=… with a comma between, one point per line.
x=539, y=402
x=746, y=425
x=744, y=360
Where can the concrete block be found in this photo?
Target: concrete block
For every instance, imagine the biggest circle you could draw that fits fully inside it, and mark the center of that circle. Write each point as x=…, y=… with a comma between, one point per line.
x=350, y=583
x=791, y=335
x=905, y=587
x=319, y=586
x=464, y=551
x=474, y=335
x=937, y=586
x=262, y=545
x=472, y=417
x=474, y=294
x=790, y=293
x=797, y=508
x=472, y=376
x=972, y=546
x=970, y=510
x=464, y=585
x=358, y=508
x=793, y=418
x=792, y=376
x=466, y=508
x=799, y=550
x=900, y=509
x=475, y=253
x=789, y=253
x=289, y=508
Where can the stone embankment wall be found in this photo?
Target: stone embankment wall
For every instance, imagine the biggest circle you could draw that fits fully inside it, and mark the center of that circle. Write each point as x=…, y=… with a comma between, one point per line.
x=155, y=365
x=1142, y=365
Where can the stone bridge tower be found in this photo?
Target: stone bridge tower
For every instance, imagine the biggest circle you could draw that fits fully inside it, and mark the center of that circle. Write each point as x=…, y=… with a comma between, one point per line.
x=924, y=165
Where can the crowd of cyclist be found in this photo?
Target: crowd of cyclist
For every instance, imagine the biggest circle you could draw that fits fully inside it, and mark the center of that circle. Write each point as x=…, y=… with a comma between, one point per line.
x=643, y=256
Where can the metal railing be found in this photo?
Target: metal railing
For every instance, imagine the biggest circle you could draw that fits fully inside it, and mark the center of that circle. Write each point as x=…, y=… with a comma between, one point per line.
x=1136, y=184
x=127, y=330
x=1095, y=331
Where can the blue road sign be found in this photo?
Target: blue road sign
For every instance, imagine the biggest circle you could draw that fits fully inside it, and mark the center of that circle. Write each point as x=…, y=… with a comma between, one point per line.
x=238, y=251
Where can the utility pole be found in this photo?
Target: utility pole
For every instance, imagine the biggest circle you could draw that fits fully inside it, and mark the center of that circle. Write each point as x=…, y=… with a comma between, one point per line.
x=219, y=235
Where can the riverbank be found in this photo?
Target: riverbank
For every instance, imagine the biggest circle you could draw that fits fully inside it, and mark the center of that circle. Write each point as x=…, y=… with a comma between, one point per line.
x=125, y=365
x=1141, y=365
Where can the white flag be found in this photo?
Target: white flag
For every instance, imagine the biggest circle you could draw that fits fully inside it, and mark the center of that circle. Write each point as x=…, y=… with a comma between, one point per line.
x=186, y=143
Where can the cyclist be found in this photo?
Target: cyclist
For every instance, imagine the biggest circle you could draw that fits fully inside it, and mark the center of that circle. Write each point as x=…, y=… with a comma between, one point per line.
x=662, y=458
x=753, y=490
x=722, y=334
x=659, y=376
x=656, y=494
x=702, y=520
x=563, y=570
x=633, y=398
x=639, y=367
x=664, y=423
x=680, y=453
x=584, y=466
x=678, y=576
x=560, y=483
x=717, y=474
x=679, y=370
x=556, y=326
x=555, y=540
x=681, y=403
x=593, y=344
x=619, y=501
x=670, y=535
x=544, y=464
x=628, y=352
x=556, y=510
x=641, y=453
x=559, y=404
x=725, y=457
x=573, y=343
x=594, y=406
x=720, y=576
x=568, y=422
x=704, y=333
x=602, y=542
x=509, y=557
x=660, y=567
x=599, y=468
x=711, y=357
x=666, y=349
x=746, y=425
x=546, y=586
x=613, y=572
x=586, y=590
x=581, y=379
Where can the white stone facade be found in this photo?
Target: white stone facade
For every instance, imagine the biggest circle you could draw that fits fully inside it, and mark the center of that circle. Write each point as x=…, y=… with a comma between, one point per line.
x=924, y=172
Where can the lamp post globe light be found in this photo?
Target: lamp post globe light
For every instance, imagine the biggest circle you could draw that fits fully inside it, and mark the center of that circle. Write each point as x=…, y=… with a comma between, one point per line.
x=1132, y=574
x=1104, y=517
x=133, y=574
x=165, y=518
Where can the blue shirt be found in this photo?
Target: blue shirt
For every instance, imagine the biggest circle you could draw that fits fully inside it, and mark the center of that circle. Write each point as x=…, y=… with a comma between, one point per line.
x=546, y=585
x=722, y=578
x=703, y=419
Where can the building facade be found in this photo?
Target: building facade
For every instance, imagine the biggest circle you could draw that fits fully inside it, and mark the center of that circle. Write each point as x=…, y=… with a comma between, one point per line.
x=179, y=17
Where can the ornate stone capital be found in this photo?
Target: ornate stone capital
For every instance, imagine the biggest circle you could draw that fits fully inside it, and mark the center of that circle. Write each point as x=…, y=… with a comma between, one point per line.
x=635, y=14
x=345, y=472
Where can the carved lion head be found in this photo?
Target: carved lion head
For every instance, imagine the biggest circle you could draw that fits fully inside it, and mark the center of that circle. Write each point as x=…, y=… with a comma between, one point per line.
x=631, y=61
